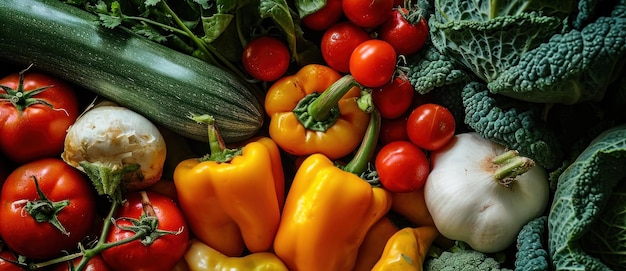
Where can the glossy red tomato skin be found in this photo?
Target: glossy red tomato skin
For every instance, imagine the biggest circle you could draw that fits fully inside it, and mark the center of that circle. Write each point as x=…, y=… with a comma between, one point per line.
x=96, y=263
x=373, y=63
x=39, y=131
x=58, y=181
x=367, y=13
x=325, y=17
x=169, y=249
x=430, y=126
x=394, y=98
x=402, y=167
x=338, y=43
x=393, y=130
x=406, y=37
x=266, y=58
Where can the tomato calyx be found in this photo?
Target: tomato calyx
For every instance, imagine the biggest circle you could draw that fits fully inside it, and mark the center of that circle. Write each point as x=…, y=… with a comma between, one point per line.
x=411, y=13
x=22, y=99
x=146, y=228
x=44, y=210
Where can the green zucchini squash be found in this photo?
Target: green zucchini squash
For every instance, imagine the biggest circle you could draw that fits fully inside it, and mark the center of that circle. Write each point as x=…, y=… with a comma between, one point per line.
x=158, y=82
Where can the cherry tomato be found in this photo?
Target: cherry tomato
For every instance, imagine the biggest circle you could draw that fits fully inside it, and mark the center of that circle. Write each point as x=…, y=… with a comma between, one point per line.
x=367, y=13
x=164, y=252
x=430, y=126
x=393, y=130
x=406, y=30
x=394, y=98
x=59, y=184
x=338, y=42
x=33, y=124
x=6, y=264
x=373, y=63
x=266, y=58
x=325, y=17
x=96, y=263
x=402, y=167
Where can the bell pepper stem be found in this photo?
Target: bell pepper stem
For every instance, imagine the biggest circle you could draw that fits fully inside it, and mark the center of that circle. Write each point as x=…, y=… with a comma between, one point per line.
x=321, y=107
x=217, y=147
x=359, y=162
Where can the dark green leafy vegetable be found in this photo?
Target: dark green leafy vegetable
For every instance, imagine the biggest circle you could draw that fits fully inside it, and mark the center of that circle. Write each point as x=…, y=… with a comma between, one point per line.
x=532, y=251
x=512, y=123
x=583, y=191
x=571, y=68
x=487, y=37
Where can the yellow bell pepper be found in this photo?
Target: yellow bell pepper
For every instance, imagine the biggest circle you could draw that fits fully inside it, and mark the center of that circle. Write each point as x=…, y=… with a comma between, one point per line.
x=329, y=210
x=232, y=199
x=201, y=257
x=316, y=111
x=406, y=249
x=374, y=243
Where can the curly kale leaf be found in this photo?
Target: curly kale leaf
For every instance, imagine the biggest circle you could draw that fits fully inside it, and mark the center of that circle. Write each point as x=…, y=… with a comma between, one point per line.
x=487, y=37
x=571, y=68
x=512, y=123
x=532, y=253
x=429, y=69
x=583, y=190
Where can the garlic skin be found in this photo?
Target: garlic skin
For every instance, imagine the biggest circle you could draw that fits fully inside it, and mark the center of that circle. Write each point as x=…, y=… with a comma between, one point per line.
x=468, y=204
x=112, y=137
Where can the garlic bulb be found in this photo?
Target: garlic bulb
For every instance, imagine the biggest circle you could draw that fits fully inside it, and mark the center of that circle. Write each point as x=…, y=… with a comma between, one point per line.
x=482, y=194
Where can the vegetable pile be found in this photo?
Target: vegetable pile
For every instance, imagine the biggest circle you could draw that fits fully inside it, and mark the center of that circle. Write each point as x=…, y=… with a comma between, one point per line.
x=312, y=135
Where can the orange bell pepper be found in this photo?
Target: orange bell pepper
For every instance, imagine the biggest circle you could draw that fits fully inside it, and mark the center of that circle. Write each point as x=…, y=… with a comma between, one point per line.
x=329, y=210
x=406, y=249
x=232, y=199
x=374, y=243
x=412, y=206
x=316, y=111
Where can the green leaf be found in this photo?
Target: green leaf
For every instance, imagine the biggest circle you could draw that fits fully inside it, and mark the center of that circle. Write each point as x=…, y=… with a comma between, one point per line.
x=306, y=7
x=204, y=3
x=151, y=3
x=149, y=32
x=215, y=25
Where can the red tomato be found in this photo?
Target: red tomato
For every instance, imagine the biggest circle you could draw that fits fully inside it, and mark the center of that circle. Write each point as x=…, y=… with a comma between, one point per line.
x=393, y=130
x=325, y=17
x=58, y=182
x=96, y=263
x=373, y=63
x=367, y=13
x=338, y=42
x=394, y=98
x=430, y=126
x=402, y=167
x=266, y=58
x=39, y=130
x=5, y=262
x=406, y=30
x=164, y=252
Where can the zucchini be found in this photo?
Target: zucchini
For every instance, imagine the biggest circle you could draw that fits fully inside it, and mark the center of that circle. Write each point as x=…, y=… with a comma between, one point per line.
x=160, y=83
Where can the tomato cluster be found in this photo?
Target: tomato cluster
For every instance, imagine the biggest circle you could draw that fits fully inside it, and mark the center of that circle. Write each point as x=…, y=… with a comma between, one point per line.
x=369, y=41
x=49, y=209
